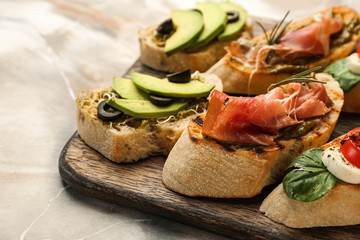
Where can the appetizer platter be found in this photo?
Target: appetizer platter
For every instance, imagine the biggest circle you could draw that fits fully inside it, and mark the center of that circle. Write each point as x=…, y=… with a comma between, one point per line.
x=120, y=163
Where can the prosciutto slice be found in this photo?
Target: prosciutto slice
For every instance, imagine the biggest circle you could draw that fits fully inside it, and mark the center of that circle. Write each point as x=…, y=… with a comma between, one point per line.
x=258, y=119
x=312, y=39
x=305, y=102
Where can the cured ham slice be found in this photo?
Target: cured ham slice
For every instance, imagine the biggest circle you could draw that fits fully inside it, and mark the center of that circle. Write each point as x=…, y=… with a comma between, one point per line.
x=312, y=39
x=258, y=119
x=305, y=102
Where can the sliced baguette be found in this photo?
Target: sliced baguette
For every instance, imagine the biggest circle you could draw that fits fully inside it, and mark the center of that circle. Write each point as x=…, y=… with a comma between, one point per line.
x=201, y=167
x=199, y=60
x=236, y=77
x=120, y=142
x=339, y=207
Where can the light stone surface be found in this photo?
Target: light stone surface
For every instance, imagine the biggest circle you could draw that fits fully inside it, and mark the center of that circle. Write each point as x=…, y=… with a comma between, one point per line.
x=49, y=52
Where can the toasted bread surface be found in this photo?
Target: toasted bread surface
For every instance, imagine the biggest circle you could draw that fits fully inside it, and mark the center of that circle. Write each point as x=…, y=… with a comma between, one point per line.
x=339, y=207
x=197, y=166
x=128, y=140
x=198, y=60
x=241, y=79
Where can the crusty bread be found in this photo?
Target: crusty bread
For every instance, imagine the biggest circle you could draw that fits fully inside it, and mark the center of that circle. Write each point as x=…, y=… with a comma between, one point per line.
x=201, y=167
x=198, y=60
x=235, y=76
x=339, y=207
x=125, y=142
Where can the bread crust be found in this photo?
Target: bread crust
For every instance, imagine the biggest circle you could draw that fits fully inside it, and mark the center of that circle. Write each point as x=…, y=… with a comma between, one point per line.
x=202, y=59
x=203, y=167
x=123, y=143
x=339, y=207
x=235, y=76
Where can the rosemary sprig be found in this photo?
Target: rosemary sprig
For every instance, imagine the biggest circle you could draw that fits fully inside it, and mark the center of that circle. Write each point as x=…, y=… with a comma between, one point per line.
x=275, y=33
x=300, y=77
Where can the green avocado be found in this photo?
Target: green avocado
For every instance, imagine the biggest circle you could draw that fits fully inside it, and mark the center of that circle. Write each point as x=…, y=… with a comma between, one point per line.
x=145, y=109
x=161, y=87
x=127, y=89
x=188, y=26
x=233, y=29
x=215, y=20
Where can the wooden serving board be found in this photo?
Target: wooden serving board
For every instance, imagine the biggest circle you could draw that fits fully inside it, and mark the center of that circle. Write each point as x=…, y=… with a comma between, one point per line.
x=138, y=185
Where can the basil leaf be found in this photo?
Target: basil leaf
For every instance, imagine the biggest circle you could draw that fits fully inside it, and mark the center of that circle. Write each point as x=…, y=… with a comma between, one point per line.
x=341, y=72
x=308, y=179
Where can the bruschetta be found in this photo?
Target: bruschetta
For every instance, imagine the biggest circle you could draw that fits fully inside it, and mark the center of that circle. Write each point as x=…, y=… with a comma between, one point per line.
x=163, y=48
x=242, y=144
x=250, y=66
x=124, y=123
x=321, y=187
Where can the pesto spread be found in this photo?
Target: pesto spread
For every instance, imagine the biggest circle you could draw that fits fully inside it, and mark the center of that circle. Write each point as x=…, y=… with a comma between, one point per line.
x=351, y=26
x=296, y=131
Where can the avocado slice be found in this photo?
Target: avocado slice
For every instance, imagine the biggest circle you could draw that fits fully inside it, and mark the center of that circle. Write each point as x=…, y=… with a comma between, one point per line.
x=145, y=109
x=127, y=89
x=233, y=29
x=214, y=23
x=161, y=87
x=188, y=25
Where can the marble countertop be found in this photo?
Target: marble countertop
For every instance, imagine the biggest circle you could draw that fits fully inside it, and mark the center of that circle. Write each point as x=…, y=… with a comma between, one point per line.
x=51, y=50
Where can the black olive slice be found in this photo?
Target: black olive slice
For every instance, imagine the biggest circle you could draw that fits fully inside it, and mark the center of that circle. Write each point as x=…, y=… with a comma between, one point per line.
x=180, y=77
x=166, y=27
x=160, y=100
x=197, y=10
x=233, y=16
x=105, y=115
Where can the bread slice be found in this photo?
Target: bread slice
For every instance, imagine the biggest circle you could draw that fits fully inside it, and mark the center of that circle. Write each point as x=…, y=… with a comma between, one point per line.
x=130, y=139
x=339, y=207
x=199, y=60
x=202, y=167
x=236, y=76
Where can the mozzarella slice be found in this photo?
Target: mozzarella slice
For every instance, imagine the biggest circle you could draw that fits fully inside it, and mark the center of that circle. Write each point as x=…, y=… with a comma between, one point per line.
x=354, y=63
x=341, y=168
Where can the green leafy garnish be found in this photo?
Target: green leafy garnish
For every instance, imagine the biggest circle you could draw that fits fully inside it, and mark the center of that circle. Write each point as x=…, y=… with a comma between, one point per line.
x=275, y=33
x=308, y=179
x=300, y=77
x=341, y=72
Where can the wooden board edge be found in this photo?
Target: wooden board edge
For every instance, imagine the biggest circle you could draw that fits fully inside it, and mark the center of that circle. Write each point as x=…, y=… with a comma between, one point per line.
x=97, y=190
